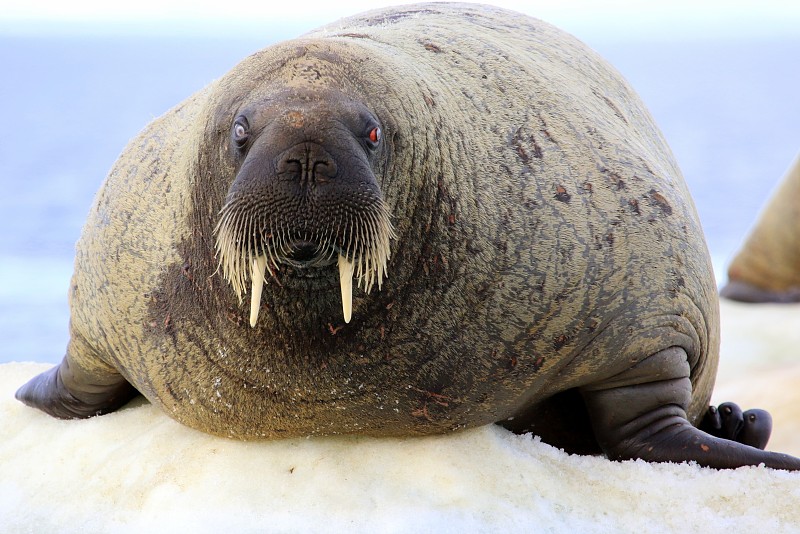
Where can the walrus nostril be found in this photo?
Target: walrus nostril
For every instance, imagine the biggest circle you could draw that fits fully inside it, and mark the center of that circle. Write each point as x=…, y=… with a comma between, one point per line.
x=324, y=169
x=307, y=164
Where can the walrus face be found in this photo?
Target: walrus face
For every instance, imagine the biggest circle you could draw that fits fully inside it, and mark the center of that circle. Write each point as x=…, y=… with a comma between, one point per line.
x=305, y=195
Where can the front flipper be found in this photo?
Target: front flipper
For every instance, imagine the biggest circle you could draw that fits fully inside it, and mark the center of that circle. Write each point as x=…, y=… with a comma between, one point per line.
x=69, y=392
x=641, y=413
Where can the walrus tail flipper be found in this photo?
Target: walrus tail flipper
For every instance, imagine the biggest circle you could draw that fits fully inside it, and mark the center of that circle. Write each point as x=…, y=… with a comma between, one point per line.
x=641, y=413
x=74, y=391
x=728, y=421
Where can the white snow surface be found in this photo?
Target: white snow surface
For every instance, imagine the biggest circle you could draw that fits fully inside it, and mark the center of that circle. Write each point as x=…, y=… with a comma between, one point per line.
x=136, y=470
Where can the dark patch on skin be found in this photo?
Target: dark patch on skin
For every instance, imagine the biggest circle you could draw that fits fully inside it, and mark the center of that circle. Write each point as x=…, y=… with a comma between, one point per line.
x=604, y=240
x=355, y=35
x=166, y=300
x=560, y=341
x=615, y=179
x=678, y=284
x=611, y=105
x=634, y=204
x=659, y=200
x=433, y=399
x=526, y=147
x=544, y=129
x=523, y=155
x=430, y=47
x=309, y=73
x=562, y=195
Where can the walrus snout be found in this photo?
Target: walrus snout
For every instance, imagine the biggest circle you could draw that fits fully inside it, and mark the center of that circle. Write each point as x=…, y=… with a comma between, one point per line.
x=301, y=216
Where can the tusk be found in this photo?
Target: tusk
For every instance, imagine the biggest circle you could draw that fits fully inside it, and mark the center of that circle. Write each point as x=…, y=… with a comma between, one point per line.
x=346, y=283
x=259, y=270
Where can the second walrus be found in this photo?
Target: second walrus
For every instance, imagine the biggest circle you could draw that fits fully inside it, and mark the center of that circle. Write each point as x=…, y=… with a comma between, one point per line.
x=767, y=268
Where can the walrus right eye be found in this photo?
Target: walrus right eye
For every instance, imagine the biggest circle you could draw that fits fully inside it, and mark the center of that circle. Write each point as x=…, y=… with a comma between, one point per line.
x=374, y=137
x=241, y=132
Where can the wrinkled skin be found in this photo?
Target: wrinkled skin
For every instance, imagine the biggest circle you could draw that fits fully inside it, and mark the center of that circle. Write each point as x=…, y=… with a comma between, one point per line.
x=548, y=270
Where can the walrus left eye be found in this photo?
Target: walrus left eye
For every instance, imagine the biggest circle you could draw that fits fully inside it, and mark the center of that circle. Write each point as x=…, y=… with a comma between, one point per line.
x=240, y=131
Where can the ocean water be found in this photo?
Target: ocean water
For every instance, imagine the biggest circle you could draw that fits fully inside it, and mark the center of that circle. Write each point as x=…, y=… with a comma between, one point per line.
x=68, y=105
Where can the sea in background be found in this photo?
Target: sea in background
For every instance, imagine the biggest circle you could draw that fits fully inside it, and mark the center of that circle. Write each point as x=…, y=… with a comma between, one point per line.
x=728, y=107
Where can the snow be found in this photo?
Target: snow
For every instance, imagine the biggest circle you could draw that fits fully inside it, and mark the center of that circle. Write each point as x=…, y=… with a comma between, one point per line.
x=138, y=471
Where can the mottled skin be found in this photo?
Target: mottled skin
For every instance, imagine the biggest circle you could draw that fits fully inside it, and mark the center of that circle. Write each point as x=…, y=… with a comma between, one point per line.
x=549, y=270
x=767, y=268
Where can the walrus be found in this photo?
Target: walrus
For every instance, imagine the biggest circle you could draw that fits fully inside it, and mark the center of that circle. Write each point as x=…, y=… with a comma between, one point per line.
x=767, y=268
x=408, y=222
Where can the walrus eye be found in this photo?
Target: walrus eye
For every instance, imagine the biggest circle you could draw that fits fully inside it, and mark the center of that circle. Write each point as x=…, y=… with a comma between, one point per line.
x=375, y=135
x=240, y=131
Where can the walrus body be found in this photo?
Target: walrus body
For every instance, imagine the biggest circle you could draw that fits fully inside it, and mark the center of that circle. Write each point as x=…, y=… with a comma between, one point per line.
x=767, y=268
x=545, y=265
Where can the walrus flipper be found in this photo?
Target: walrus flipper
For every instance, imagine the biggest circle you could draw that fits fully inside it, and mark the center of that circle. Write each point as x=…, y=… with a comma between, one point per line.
x=641, y=413
x=69, y=392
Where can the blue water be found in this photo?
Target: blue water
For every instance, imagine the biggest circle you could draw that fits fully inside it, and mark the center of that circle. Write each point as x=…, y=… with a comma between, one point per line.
x=729, y=109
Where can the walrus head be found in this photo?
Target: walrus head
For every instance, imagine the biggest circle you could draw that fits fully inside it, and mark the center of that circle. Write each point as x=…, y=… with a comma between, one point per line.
x=304, y=194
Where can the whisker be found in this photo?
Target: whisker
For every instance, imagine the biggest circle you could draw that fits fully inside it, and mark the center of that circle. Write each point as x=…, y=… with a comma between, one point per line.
x=247, y=229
